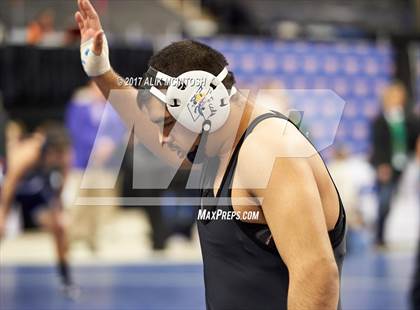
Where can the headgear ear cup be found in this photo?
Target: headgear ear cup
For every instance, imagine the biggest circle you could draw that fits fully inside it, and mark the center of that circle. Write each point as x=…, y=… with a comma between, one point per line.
x=201, y=97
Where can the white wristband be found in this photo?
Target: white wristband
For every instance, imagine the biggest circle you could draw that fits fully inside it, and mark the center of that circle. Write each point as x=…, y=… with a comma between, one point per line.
x=95, y=65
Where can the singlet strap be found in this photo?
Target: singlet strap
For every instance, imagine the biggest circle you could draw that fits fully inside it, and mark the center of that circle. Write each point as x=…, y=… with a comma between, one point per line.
x=234, y=157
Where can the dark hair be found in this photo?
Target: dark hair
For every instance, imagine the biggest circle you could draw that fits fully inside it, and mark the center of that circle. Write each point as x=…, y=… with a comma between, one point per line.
x=188, y=55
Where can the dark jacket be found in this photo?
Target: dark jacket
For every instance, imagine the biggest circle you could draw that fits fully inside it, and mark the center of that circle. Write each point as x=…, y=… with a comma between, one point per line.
x=381, y=139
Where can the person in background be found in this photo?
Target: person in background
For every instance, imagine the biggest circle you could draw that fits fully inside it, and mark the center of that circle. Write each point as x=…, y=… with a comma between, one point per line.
x=415, y=288
x=3, y=121
x=346, y=173
x=95, y=131
x=149, y=165
x=36, y=169
x=40, y=27
x=394, y=134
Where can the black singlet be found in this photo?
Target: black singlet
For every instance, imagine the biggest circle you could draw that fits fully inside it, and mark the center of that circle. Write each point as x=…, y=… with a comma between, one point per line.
x=242, y=267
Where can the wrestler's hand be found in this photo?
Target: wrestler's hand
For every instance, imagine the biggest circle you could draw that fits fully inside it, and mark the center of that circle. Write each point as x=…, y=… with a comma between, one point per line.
x=384, y=173
x=92, y=40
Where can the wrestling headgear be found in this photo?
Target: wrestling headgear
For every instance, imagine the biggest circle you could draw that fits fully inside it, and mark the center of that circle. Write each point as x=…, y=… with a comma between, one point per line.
x=197, y=99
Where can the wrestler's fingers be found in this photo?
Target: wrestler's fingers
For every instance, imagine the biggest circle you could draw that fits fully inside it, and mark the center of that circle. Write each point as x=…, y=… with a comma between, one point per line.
x=79, y=20
x=81, y=9
x=89, y=9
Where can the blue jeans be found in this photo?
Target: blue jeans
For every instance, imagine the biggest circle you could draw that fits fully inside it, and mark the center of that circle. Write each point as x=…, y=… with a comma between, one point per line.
x=385, y=194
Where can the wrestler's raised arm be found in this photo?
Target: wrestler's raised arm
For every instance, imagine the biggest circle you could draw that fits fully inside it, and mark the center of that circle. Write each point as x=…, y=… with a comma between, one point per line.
x=95, y=61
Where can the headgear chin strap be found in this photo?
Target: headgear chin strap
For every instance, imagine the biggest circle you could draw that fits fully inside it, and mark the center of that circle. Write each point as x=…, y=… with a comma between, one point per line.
x=198, y=154
x=197, y=99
